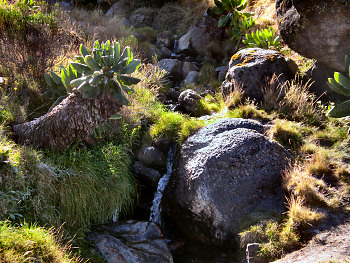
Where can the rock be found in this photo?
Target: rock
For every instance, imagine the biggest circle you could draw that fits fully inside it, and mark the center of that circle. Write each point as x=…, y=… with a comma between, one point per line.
x=318, y=29
x=132, y=241
x=253, y=68
x=192, y=77
x=224, y=173
x=166, y=52
x=118, y=8
x=222, y=72
x=184, y=44
x=142, y=17
x=65, y=6
x=251, y=251
x=165, y=39
x=318, y=75
x=209, y=41
x=187, y=67
x=188, y=101
x=153, y=52
x=173, y=67
x=147, y=174
x=151, y=157
x=173, y=94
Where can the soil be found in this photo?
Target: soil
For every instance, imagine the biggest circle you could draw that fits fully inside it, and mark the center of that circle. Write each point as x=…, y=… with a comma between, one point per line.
x=331, y=245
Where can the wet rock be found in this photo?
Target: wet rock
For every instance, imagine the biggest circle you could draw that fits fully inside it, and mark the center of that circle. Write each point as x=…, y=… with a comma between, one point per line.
x=154, y=52
x=192, y=77
x=132, y=241
x=188, y=101
x=253, y=68
x=165, y=39
x=318, y=29
x=173, y=67
x=151, y=157
x=224, y=173
x=147, y=174
x=187, y=67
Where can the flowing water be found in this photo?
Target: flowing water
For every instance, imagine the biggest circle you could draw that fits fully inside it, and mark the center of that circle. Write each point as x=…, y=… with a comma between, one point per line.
x=156, y=208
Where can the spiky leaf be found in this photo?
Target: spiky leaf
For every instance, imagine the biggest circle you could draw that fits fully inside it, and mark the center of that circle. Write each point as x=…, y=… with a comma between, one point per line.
x=55, y=78
x=223, y=20
x=49, y=80
x=133, y=65
x=66, y=80
x=342, y=80
x=91, y=62
x=334, y=85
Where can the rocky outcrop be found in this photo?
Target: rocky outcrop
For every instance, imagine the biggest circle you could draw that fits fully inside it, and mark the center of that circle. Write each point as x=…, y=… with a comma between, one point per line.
x=318, y=29
x=224, y=173
x=253, y=68
x=131, y=241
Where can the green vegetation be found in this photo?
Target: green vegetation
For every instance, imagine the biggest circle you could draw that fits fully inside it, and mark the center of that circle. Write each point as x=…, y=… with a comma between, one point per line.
x=233, y=17
x=341, y=84
x=30, y=243
x=264, y=38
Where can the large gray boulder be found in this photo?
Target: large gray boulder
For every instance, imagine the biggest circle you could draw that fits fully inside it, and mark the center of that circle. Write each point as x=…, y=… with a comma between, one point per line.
x=318, y=29
x=224, y=174
x=132, y=241
x=253, y=68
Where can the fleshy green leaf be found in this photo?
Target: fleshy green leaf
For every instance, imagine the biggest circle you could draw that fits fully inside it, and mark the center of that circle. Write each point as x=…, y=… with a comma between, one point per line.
x=83, y=50
x=82, y=68
x=133, y=65
x=66, y=80
x=127, y=81
x=342, y=80
x=49, y=80
x=55, y=78
x=91, y=62
x=340, y=110
x=223, y=21
x=77, y=82
x=115, y=116
x=116, y=52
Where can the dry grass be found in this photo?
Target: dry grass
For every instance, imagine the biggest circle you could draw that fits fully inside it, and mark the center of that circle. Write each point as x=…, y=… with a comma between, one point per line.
x=93, y=25
x=235, y=98
x=293, y=101
x=265, y=12
x=300, y=215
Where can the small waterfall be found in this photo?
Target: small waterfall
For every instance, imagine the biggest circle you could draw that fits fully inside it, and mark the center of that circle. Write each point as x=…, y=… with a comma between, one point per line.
x=156, y=209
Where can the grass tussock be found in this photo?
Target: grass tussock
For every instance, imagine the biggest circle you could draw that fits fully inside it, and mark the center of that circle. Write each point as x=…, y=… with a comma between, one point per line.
x=30, y=243
x=293, y=101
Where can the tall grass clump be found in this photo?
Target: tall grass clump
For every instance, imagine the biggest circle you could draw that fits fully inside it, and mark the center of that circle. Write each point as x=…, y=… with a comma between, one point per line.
x=30, y=243
x=293, y=101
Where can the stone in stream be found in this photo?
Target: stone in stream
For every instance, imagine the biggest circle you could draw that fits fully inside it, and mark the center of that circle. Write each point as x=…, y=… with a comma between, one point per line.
x=225, y=175
x=131, y=242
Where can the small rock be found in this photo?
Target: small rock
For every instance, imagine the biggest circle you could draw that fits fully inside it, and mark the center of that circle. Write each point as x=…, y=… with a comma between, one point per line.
x=173, y=95
x=188, y=101
x=141, y=19
x=152, y=157
x=192, y=77
x=147, y=174
x=173, y=67
x=251, y=251
x=222, y=71
x=165, y=39
x=184, y=42
x=187, y=67
x=166, y=52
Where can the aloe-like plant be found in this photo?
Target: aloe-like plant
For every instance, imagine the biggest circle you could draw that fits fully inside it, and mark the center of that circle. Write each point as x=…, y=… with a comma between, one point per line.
x=341, y=85
x=233, y=17
x=103, y=72
x=263, y=39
